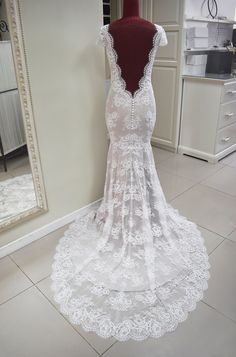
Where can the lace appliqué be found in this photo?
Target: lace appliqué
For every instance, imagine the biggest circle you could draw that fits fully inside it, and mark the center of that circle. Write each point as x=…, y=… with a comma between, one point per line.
x=132, y=268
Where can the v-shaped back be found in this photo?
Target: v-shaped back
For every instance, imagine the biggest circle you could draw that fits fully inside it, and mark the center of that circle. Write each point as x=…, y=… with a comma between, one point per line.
x=116, y=70
x=132, y=45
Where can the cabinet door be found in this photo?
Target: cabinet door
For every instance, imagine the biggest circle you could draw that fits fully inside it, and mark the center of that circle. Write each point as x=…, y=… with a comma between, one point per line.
x=164, y=84
x=166, y=78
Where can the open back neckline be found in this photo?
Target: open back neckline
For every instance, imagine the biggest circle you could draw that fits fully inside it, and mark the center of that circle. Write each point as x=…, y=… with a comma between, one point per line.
x=148, y=64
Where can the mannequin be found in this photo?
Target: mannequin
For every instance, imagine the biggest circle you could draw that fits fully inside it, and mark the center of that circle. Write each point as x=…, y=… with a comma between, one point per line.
x=132, y=36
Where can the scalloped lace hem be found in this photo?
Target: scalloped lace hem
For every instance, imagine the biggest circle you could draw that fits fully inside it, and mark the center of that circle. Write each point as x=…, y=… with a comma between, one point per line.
x=128, y=315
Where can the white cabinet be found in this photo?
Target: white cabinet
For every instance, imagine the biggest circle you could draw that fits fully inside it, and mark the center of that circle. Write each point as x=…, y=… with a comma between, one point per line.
x=166, y=77
x=208, y=125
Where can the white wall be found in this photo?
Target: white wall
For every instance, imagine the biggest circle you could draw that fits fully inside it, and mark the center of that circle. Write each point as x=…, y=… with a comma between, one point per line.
x=66, y=70
x=225, y=8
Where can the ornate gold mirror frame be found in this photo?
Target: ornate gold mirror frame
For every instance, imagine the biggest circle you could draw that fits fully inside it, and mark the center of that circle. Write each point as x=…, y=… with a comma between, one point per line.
x=20, y=61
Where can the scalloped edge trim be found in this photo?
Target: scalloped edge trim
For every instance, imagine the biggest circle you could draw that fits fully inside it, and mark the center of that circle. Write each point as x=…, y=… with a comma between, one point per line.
x=185, y=309
x=147, y=67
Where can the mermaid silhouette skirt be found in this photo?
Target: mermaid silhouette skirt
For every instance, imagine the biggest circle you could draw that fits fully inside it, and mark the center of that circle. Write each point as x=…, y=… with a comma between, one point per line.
x=132, y=267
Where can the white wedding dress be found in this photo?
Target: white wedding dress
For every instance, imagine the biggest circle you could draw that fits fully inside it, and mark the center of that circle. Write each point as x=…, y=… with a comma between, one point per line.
x=133, y=267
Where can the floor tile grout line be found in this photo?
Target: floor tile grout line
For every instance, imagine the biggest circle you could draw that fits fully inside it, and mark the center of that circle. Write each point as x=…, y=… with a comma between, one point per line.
x=158, y=169
x=22, y=291
x=212, y=188
x=201, y=182
x=204, y=184
x=69, y=323
x=231, y=233
x=195, y=184
x=229, y=239
x=178, y=176
x=217, y=246
x=108, y=348
x=210, y=230
x=182, y=176
x=34, y=284
x=223, y=240
x=230, y=161
x=13, y=297
x=21, y=268
x=46, y=277
x=213, y=173
x=171, y=173
x=212, y=307
x=220, y=235
x=219, y=312
x=183, y=192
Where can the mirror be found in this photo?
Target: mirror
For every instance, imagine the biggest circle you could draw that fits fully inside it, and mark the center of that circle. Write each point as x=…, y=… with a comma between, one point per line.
x=22, y=193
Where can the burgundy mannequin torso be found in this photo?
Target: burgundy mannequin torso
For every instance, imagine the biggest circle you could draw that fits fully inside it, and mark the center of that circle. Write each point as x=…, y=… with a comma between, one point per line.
x=133, y=41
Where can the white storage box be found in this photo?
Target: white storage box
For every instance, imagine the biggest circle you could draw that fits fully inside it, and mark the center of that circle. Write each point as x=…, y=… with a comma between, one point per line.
x=196, y=60
x=198, y=70
x=197, y=42
x=197, y=32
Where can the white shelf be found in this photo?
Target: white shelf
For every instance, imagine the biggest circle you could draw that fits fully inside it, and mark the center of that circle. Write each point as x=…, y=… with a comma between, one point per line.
x=206, y=19
x=208, y=49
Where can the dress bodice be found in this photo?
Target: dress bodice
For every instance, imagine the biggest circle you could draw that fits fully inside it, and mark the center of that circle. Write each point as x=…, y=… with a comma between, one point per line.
x=130, y=118
x=106, y=39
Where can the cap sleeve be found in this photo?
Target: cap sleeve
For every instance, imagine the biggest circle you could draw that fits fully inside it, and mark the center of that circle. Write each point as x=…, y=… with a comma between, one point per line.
x=101, y=37
x=163, y=41
x=162, y=38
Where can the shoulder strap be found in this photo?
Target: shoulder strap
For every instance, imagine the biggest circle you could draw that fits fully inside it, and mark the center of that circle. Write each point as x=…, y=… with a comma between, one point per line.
x=101, y=40
x=161, y=39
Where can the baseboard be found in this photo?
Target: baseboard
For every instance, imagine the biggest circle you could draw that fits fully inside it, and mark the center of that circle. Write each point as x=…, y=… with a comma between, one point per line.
x=163, y=144
x=43, y=231
x=212, y=158
x=197, y=154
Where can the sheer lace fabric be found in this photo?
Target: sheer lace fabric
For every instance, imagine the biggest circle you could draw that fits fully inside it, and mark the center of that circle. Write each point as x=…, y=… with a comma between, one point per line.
x=17, y=194
x=133, y=267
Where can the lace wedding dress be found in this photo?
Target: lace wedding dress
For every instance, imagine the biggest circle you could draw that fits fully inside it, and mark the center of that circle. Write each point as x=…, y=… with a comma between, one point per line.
x=133, y=267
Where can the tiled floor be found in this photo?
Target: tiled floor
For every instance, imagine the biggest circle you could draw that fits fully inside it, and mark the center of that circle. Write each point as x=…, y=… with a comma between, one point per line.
x=31, y=325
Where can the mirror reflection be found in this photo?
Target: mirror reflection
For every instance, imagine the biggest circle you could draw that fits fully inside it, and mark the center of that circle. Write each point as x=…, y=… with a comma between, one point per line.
x=17, y=193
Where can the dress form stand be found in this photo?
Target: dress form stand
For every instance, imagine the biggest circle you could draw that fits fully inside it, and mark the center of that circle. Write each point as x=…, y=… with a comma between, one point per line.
x=133, y=40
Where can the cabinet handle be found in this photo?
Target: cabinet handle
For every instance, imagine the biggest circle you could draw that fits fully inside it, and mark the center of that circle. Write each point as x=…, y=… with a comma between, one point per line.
x=229, y=114
x=231, y=92
x=227, y=138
